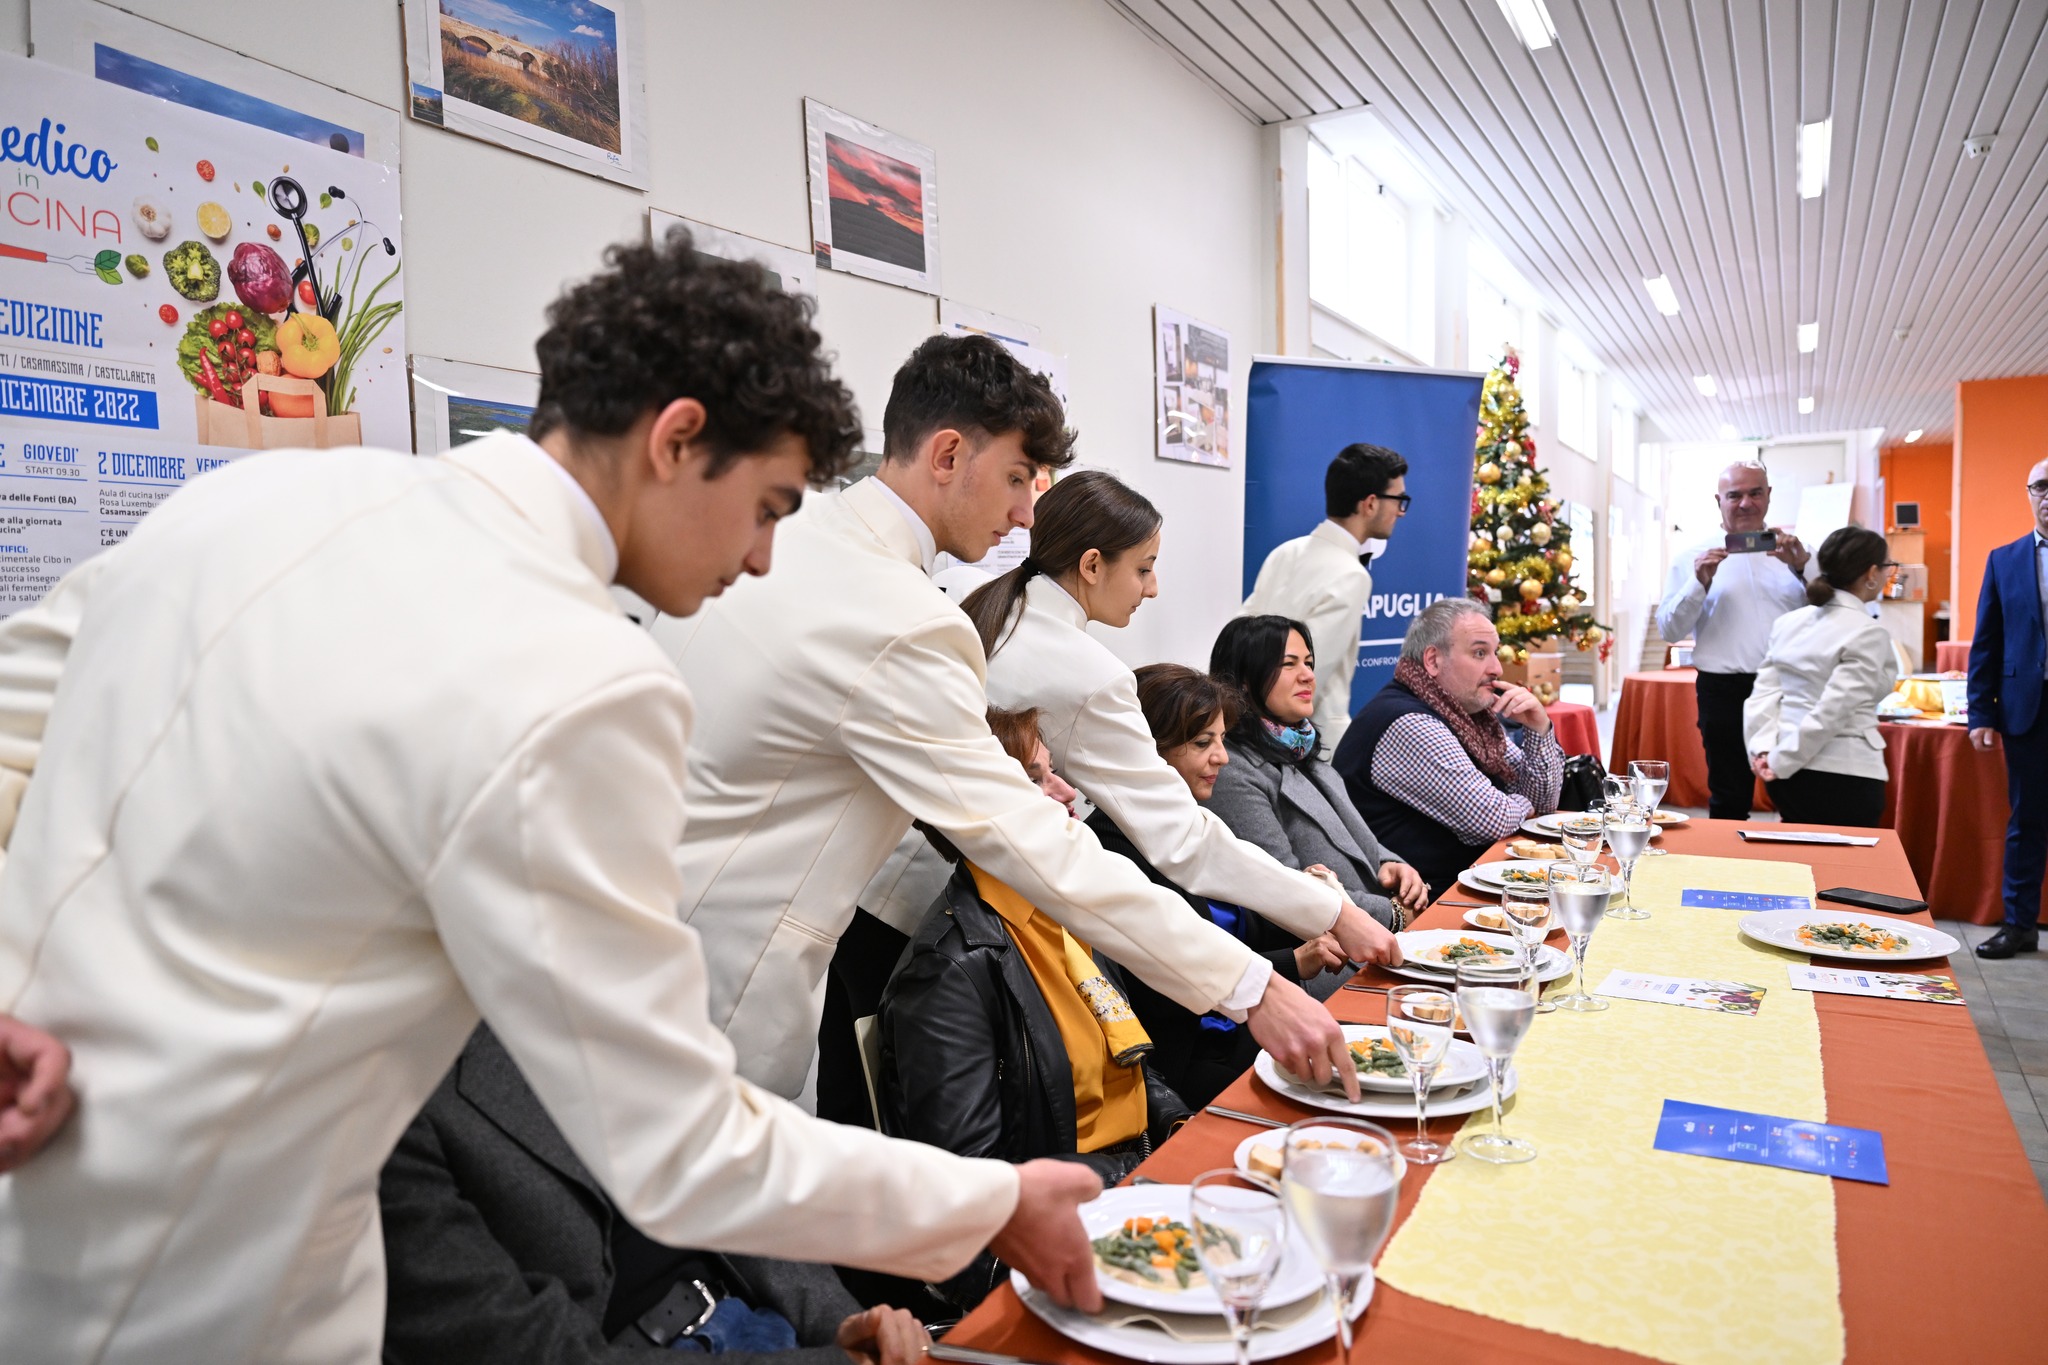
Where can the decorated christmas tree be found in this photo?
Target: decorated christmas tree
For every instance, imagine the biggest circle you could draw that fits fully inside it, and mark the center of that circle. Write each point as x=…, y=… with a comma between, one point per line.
x=1521, y=556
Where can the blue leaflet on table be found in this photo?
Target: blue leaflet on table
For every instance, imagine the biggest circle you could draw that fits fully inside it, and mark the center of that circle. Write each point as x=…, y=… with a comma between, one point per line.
x=1762, y=1140
x=1740, y=900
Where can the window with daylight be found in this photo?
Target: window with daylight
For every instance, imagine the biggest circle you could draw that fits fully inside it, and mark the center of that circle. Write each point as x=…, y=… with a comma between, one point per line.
x=1624, y=444
x=1578, y=406
x=1358, y=247
x=1495, y=323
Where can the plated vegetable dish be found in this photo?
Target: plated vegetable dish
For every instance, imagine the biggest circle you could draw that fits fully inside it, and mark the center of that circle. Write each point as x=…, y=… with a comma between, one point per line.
x=1158, y=1253
x=1854, y=938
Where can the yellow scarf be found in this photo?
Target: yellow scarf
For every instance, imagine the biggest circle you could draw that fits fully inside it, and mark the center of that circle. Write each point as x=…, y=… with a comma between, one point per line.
x=1104, y=1040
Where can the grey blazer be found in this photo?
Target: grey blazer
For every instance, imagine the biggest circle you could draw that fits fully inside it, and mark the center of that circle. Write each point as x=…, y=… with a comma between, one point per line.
x=497, y=1241
x=1303, y=816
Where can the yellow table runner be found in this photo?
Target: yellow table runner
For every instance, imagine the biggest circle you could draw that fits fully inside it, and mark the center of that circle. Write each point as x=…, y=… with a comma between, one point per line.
x=1604, y=1239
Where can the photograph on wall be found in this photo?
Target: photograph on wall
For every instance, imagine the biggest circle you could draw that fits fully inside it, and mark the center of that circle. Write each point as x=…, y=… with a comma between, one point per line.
x=557, y=79
x=1192, y=360
x=171, y=297
x=455, y=402
x=793, y=271
x=874, y=201
x=123, y=49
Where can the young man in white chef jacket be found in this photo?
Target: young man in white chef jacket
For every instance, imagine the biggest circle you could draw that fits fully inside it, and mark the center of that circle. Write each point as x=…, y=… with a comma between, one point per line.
x=351, y=747
x=1322, y=579
x=844, y=696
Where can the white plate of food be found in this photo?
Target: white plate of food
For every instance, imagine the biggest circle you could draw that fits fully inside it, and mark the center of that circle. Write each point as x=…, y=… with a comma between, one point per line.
x=1299, y=1327
x=1537, y=851
x=1261, y=1153
x=1379, y=1068
x=1850, y=935
x=1551, y=826
x=1379, y=1104
x=1491, y=920
x=1144, y=1255
x=1433, y=954
x=1493, y=876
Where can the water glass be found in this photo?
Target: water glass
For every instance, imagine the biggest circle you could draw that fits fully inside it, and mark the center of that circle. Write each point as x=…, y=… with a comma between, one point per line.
x=1528, y=912
x=1419, y=1024
x=1239, y=1230
x=1617, y=789
x=1652, y=778
x=1578, y=897
x=1342, y=1182
x=1628, y=834
x=1498, y=1000
x=1582, y=835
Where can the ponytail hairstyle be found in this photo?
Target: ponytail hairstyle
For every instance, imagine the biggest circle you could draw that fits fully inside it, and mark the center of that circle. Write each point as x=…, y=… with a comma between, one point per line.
x=1087, y=511
x=1845, y=556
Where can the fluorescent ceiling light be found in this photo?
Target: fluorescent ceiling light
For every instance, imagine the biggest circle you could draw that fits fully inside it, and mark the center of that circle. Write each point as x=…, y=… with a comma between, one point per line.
x=1814, y=141
x=1914, y=435
x=1531, y=23
x=1806, y=405
x=1706, y=385
x=1729, y=433
x=1809, y=336
x=1663, y=295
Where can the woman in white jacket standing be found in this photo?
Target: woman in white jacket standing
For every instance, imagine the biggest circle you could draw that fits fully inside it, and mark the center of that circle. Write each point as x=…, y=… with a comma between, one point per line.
x=1812, y=720
x=1093, y=544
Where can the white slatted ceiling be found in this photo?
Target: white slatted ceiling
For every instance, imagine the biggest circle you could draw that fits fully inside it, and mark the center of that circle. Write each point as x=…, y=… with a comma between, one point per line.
x=1659, y=138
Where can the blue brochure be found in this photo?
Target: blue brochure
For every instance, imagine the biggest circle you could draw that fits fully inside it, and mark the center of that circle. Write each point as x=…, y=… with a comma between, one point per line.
x=1741, y=900
x=1795, y=1144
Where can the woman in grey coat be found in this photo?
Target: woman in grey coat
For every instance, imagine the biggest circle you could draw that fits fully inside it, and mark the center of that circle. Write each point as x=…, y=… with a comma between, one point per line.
x=1276, y=793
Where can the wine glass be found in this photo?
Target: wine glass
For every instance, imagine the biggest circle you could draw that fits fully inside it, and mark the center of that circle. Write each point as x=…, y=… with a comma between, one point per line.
x=1628, y=834
x=1419, y=1024
x=1528, y=911
x=1342, y=1182
x=1652, y=778
x=1578, y=897
x=1238, y=1230
x=1498, y=1001
x=1582, y=835
x=1617, y=790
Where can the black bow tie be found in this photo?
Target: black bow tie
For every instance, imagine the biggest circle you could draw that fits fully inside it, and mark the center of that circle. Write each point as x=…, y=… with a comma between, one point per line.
x=1365, y=560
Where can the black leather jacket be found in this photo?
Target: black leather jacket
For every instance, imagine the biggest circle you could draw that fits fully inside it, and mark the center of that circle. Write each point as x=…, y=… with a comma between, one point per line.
x=973, y=1062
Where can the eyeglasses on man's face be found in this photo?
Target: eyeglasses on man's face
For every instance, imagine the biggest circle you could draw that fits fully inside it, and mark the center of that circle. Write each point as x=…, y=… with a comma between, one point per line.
x=1401, y=499
x=2038, y=489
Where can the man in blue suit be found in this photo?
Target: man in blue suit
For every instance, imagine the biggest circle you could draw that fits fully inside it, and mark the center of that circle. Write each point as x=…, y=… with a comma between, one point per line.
x=2008, y=660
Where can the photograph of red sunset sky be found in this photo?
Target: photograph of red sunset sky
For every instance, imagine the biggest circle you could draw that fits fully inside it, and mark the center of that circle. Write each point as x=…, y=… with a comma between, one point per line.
x=877, y=204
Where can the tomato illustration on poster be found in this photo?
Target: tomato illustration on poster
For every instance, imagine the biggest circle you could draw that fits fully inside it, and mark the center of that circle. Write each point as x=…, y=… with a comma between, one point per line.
x=177, y=290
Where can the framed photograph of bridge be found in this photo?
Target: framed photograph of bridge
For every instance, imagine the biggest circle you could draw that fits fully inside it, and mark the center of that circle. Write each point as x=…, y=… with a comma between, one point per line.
x=558, y=79
x=874, y=200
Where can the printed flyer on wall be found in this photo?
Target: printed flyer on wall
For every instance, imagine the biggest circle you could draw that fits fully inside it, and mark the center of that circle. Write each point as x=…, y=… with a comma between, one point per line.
x=176, y=289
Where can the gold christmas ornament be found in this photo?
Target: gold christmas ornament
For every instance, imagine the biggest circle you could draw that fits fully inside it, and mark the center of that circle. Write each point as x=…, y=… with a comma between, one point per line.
x=1594, y=635
x=1496, y=577
x=1531, y=590
x=1489, y=472
x=1514, y=447
x=1564, y=561
x=1527, y=481
x=1506, y=653
x=1540, y=533
x=1568, y=602
x=1521, y=656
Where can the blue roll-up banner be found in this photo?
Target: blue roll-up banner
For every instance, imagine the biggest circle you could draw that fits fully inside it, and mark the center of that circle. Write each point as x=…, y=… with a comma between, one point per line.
x=1302, y=412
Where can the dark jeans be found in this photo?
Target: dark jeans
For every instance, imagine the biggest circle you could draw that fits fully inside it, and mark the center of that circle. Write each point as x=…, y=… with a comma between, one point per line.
x=2026, y=833
x=1730, y=783
x=1815, y=798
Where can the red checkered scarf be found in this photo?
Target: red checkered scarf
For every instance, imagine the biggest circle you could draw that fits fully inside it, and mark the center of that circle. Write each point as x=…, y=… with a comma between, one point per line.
x=1482, y=735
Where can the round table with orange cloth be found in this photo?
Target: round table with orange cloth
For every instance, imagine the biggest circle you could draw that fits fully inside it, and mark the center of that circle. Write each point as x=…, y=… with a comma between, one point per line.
x=1951, y=656
x=1576, y=729
x=1659, y=717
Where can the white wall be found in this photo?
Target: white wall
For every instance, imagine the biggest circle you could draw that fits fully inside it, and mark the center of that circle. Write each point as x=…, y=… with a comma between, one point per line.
x=1083, y=176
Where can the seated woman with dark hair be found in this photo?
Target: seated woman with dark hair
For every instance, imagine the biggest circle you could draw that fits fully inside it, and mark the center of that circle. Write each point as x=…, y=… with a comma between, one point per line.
x=1200, y=1054
x=1276, y=792
x=1003, y=1037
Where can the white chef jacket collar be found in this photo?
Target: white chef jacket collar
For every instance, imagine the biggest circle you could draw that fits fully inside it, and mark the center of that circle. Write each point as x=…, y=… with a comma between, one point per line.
x=513, y=464
x=927, y=543
x=1049, y=596
x=1338, y=536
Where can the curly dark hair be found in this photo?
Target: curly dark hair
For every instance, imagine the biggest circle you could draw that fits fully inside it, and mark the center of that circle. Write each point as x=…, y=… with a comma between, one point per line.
x=663, y=322
x=975, y=386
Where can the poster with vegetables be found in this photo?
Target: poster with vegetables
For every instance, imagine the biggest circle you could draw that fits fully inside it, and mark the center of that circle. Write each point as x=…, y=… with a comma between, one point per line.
x=177, y=289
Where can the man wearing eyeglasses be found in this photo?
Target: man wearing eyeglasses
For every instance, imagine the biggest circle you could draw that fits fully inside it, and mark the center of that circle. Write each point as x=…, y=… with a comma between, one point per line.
x=1727, y=595
x=1322, y=581
x=2008, y=659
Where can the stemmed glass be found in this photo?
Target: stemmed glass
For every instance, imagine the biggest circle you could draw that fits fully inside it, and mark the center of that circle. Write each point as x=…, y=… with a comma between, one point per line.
x=1652, y=778
x=1582, y=835
x=1498, y=1001
x=1578, y=897
x=1419, y=1024
x=1528, y=912
x=1341, y=1192
x=1617, y=790
x=1238, y=1230
x=1628, y=834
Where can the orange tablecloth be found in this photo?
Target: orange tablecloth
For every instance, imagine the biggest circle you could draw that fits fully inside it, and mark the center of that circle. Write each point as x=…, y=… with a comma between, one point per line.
x=1951, y=656
x=1576, y=729
x=1659, y=717
x=1948, y=803
x=1927, y=1262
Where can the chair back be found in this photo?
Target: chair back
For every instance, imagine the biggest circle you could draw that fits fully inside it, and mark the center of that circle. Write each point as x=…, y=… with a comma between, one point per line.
x=1902, y=659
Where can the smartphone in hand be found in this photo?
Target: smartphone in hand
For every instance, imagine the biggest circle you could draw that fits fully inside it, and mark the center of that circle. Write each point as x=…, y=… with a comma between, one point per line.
x=1752, y=542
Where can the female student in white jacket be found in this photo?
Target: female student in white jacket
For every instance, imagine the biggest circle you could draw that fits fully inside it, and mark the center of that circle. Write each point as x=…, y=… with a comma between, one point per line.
x=1812, y=720
x=1093, y=544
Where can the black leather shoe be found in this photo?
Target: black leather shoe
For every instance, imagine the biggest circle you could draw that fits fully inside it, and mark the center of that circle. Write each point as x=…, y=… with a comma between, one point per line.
x=2009, y=942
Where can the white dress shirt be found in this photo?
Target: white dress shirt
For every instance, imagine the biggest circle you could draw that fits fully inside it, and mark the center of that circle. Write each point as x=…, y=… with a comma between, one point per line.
x=1816, y=695
x=1731, y=621
x=927, y=543
x=1317, y=580
x=351, y=746
x=840, y=696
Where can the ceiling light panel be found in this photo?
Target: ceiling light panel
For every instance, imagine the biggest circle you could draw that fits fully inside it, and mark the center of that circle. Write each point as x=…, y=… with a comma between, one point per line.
x=1806, y=405
x=1815, y=141
x=1913, y=435
x=1809, y=337
x=1663, y=295
x=1706, y=384
x=1531, y=23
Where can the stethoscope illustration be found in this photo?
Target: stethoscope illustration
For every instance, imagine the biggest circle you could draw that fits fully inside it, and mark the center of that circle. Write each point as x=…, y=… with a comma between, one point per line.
x=288, y=197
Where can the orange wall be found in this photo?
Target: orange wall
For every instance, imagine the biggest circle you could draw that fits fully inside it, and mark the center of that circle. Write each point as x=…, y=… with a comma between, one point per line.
x=1924, y=473
x=2001, y=433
